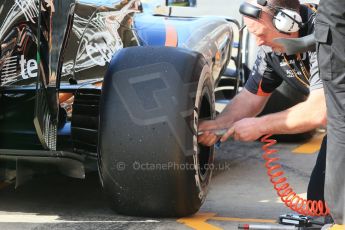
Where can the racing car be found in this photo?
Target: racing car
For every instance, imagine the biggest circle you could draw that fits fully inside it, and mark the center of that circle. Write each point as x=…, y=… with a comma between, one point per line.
x=116, y=87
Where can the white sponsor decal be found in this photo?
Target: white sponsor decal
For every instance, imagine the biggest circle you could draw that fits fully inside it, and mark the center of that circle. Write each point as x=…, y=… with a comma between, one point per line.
x=100, y=54
x=9, y=73
x=28, y=68
x=30, y=9
x=9, y=70
x=291, y=74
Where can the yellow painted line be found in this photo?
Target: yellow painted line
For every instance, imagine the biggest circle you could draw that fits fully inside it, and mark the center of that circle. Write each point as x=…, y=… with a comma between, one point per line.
x=243, y=220
x=338, y=227
x=311, y=146
x=198, y=221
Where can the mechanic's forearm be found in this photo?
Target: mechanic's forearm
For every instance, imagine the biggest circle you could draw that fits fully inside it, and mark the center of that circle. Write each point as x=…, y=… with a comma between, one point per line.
x=300, y=118
x=245, y=104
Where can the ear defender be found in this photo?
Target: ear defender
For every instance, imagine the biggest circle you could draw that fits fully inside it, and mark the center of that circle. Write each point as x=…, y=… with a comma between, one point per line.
x=287, y=21
x=284, y=20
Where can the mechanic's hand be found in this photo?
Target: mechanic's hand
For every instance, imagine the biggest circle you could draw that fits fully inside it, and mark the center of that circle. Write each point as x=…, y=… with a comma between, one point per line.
x=208, y=138
x=247, y=129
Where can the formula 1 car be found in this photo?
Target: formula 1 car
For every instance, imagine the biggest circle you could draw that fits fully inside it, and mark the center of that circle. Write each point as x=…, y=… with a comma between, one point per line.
x=115, y=85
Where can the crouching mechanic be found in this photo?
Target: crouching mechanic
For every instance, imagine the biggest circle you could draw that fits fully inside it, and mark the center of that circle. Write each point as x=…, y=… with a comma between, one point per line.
x=268, y=20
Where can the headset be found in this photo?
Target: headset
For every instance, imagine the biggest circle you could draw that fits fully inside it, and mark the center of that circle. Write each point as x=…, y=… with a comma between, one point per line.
x=284, y=20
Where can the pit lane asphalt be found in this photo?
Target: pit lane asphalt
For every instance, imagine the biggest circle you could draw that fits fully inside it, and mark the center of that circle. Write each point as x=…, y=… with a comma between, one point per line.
x=240, y=192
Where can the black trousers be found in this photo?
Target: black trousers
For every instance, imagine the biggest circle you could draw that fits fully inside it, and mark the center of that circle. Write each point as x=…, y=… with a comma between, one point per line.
x=330, y=36
x=317, y=178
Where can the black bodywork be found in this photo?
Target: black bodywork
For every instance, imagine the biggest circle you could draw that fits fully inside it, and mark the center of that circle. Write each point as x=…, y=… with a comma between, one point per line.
x=49, y=104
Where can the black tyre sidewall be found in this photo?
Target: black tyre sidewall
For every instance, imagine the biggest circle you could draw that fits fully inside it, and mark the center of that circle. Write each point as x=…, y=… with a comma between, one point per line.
x=166, y=193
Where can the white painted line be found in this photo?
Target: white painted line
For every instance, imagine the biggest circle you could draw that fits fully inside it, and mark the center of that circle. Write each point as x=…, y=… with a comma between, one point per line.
x=32, y=218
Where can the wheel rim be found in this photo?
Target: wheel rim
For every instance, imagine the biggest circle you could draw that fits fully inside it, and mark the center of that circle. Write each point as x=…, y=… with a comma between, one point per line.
x=205, y=153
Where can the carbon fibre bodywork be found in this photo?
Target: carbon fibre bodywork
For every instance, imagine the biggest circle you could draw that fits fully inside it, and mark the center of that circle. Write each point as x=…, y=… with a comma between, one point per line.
x=50, y=96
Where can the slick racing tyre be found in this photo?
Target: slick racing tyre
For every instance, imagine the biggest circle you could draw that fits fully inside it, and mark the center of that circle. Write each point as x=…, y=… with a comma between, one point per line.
x=150, y=163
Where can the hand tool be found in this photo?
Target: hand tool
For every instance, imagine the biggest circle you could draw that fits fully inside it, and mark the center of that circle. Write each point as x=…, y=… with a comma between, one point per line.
x=217, y=132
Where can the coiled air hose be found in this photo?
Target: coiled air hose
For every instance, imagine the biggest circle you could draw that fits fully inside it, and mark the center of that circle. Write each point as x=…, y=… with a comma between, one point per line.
x=283, y=188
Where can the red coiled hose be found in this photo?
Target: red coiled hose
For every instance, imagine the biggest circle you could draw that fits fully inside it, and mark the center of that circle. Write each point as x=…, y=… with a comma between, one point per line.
x=284, y=191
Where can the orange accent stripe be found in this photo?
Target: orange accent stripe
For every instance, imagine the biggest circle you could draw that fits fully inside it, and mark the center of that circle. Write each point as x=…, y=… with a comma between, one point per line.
x=218, y=56
x=64, y=96
x=261, y=92
x=171, y=35
x=310, y=6
x=98, y=84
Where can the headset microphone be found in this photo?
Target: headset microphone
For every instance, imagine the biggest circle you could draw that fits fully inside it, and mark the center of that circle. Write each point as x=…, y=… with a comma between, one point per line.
x=262, y=2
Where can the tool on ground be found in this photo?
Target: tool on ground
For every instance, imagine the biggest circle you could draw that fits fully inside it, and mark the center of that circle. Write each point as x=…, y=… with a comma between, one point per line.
x=303, y=221
x=284, y=191
x=296, y=220
x=266, y=227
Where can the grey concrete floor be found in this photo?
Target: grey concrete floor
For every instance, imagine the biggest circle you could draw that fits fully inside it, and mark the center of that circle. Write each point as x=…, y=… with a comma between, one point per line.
x=239, y=192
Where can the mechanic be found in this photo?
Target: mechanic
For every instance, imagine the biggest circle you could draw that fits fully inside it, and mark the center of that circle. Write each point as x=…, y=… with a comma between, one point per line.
x=330, y=36
x=271, y=68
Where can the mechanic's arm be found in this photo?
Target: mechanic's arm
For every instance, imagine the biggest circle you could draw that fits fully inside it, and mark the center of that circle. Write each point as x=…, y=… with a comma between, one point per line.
x=302, y=117
x=244, y=104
